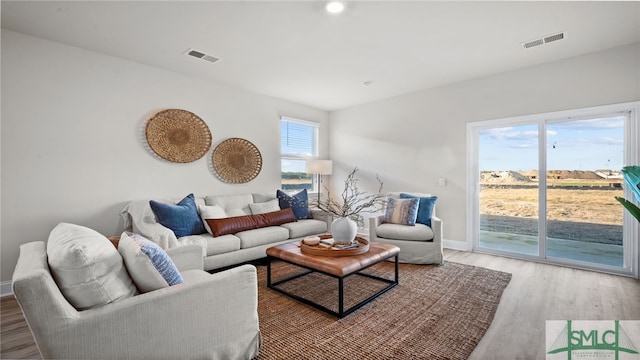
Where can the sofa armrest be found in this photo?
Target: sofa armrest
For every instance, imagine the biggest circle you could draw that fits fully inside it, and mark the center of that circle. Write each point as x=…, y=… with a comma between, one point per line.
x=436, y=226
x=187, y=257
x=374, y=221
x=138, y=213
x=214, y=316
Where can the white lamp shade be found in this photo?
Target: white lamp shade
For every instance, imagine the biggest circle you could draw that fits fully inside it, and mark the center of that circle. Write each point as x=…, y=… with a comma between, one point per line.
x=322, y=167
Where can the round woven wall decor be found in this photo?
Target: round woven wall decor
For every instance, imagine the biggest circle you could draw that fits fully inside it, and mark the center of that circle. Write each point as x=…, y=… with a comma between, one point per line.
x=178, y=135
x=237, y=161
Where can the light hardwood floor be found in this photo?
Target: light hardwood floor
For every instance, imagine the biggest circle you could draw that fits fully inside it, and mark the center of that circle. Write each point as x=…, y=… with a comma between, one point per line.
x=536, y=293
x=539, y=292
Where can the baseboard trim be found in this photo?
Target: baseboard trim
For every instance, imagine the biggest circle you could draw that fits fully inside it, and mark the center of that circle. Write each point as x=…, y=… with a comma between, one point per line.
x=5, y=288
x=456, y=245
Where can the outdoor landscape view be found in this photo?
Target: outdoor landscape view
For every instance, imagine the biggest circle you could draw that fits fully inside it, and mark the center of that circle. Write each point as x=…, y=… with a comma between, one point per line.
x=581, y=205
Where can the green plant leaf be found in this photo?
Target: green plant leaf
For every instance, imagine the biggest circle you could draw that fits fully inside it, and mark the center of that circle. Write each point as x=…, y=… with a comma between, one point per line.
x=632, y=179
x=633, y=209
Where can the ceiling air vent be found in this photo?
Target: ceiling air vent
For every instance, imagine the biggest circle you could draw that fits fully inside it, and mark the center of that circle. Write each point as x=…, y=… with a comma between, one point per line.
x=532, y=43
x=544, y=40
x=201, y=55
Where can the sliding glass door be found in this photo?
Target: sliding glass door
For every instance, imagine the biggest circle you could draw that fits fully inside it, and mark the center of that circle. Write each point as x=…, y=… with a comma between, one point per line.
x=544, y=188
x=508, y=160
x=584, y=221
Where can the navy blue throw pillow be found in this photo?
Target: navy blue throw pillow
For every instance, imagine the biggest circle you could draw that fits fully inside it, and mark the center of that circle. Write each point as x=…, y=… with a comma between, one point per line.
x=425, y=207
x=182, y=218
x=299, y=203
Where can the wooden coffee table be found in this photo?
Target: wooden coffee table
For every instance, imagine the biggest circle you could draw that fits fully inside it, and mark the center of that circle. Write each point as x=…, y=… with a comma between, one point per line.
x=336, y=267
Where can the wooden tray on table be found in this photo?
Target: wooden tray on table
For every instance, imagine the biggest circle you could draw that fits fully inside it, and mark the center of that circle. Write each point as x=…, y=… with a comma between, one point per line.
x=363, y=247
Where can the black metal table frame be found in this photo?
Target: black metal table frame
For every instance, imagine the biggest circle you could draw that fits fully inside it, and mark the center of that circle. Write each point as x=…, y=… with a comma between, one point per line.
x=341, y=311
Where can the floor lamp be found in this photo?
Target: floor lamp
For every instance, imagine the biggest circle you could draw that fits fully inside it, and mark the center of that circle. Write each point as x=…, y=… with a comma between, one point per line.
x=319, y=167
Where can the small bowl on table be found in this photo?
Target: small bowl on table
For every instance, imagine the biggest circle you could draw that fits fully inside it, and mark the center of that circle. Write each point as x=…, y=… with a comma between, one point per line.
x=311, y=240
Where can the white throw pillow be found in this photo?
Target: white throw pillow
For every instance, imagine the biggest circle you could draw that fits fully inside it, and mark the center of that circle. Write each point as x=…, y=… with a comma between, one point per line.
x=265, y=207
x=211, y=212
x=149, y=266
x=87, y=268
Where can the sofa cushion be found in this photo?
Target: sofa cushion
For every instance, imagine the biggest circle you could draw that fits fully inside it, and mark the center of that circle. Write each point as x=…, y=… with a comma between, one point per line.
x=401, y=211
x=87, y=267
x=264, y=207
x=182, y=218
x=210, y=212
x=419, y=232
x=222, y=244
x=262, y=236
x=305, y=227
x=299, y=203
x=233, y=205
x=263, y=197
x=425, y=207
x=149, y=266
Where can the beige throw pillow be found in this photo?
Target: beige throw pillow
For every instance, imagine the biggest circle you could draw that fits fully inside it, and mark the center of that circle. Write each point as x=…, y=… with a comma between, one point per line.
x=87, y=268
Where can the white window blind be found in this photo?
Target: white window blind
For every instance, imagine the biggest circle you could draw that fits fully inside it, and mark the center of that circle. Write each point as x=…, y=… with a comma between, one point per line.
x=297, y=138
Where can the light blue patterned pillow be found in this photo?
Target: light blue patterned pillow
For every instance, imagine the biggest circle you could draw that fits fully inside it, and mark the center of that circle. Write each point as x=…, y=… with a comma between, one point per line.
x=149, y=266
x=425, y=207
x=401, y=211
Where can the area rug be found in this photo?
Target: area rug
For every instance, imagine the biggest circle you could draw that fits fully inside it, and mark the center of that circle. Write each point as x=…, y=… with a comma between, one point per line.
x=436, y=312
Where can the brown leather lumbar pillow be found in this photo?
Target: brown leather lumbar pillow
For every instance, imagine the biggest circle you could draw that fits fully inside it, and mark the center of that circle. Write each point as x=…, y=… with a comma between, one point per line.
x=235, y=224
x=278, y=217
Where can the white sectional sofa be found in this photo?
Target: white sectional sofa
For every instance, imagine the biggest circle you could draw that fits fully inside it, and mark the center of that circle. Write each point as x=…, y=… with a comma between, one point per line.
x=229, y=249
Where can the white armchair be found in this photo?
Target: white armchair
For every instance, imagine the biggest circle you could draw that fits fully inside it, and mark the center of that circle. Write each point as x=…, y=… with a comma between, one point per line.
x=209, y=316
x=419, y=244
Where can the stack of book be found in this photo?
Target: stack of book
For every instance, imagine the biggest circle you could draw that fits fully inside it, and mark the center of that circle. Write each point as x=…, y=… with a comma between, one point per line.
x=330, y=243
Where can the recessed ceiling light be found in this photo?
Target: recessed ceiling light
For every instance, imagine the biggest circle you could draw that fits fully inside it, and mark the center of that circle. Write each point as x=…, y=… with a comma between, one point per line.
x=335, y=7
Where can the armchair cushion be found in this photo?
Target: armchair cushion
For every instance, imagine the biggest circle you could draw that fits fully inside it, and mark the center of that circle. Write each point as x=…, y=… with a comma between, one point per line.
x=149, y=266
x=419, y=232
x=401, y=211
x=425, y=207
x=182, y=218
x=86, y=267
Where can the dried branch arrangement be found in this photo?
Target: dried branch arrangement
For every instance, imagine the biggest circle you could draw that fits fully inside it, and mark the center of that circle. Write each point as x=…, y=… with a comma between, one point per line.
x=352, y=201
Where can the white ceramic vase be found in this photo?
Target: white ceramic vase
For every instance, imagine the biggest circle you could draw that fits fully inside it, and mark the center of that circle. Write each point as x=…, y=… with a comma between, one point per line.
x=344, y=230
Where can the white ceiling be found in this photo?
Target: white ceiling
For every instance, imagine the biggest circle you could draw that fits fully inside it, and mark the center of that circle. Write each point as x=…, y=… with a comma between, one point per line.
x=294, y=50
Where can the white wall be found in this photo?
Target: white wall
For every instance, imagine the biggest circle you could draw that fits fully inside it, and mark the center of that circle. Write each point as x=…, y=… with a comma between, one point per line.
x=73, y=145
x=415, y=139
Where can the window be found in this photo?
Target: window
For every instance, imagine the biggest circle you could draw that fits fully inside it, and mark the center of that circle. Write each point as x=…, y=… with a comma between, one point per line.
x=298, y=142
x=544, y=187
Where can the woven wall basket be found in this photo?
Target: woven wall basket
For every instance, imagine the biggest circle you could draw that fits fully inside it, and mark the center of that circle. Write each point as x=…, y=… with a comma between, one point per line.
x=237, y=161
x=178, y=135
